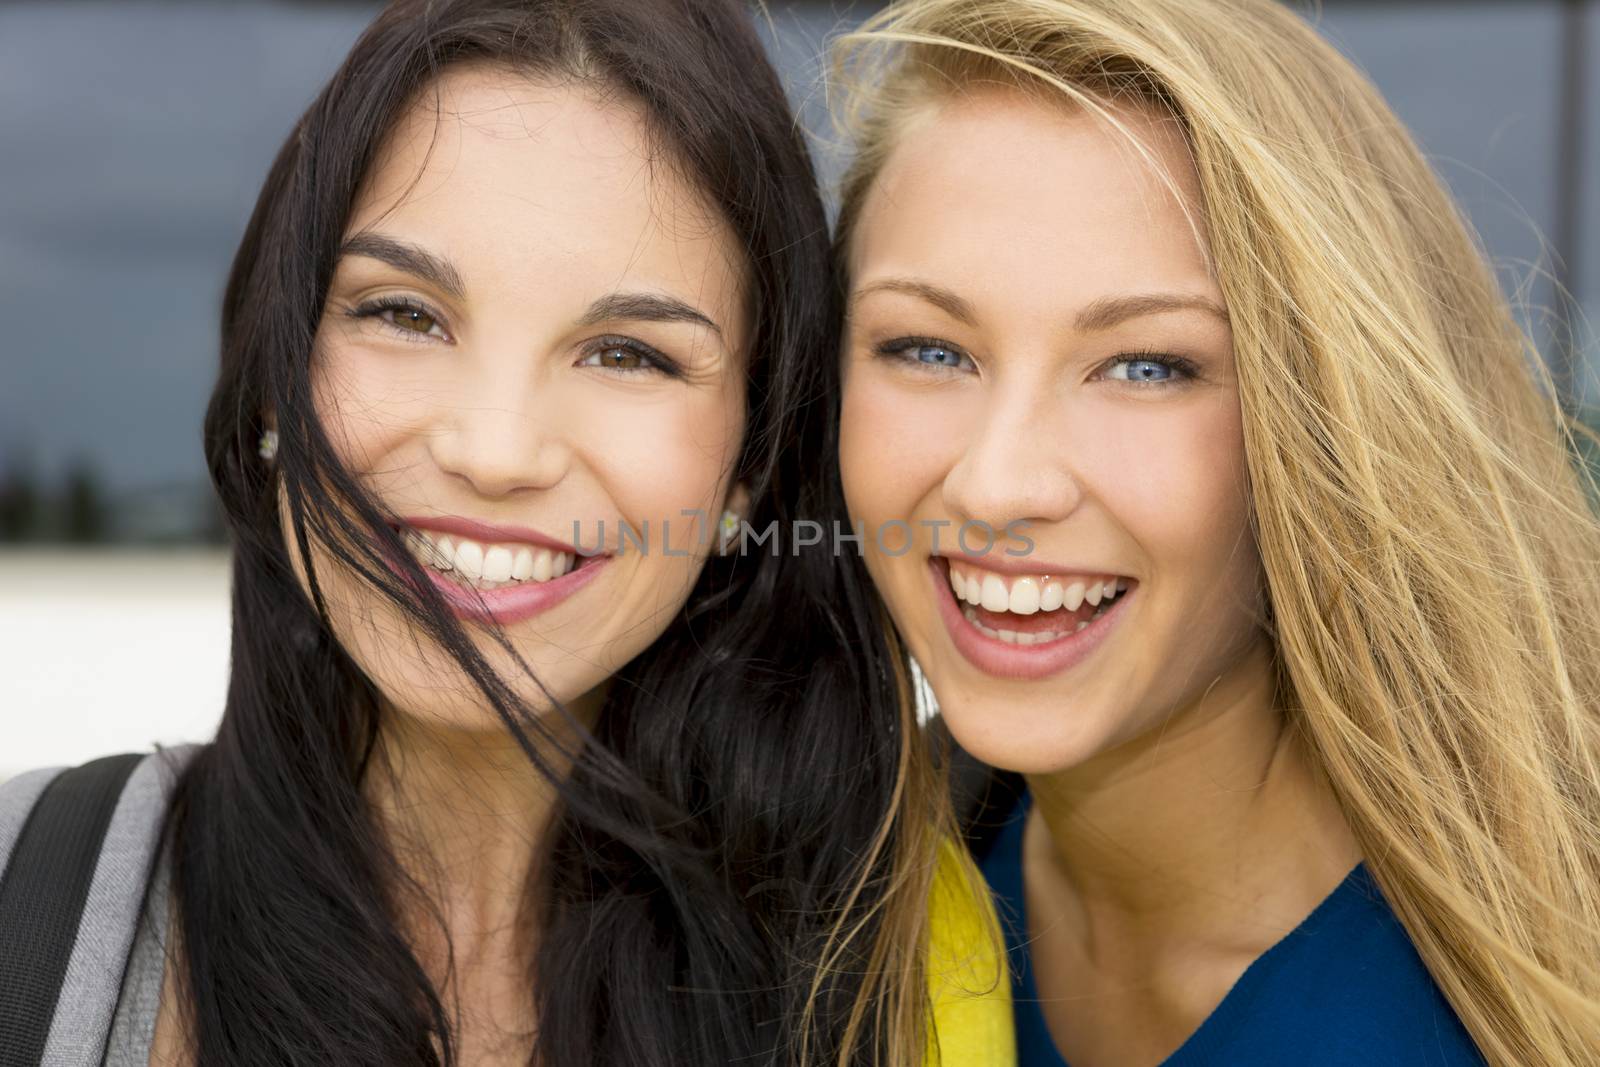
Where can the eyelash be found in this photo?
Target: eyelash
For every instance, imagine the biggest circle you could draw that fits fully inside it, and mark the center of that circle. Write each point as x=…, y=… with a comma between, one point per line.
x=898, y=348
x=1183, y=369
x=659, y=363
x=375, y=308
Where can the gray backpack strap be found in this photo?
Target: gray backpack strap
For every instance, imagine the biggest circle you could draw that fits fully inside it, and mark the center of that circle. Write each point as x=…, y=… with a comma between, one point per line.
x=70, y=896
x=17, y=797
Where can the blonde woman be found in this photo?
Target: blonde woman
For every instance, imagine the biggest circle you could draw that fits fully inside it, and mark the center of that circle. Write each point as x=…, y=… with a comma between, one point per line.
x=1240, y=524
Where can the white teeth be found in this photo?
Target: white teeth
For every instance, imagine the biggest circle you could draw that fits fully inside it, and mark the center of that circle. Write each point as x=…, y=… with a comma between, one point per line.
x=469, y=559
x=1052, y=597
x=497, y=564
x=542, y=568
x=487, y=566
x=1024, y=597
x=1029, y=594
x=1011, y=637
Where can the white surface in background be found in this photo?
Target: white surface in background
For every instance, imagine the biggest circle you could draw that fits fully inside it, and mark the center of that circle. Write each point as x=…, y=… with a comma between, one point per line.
x=105, y=651
x=109, y=651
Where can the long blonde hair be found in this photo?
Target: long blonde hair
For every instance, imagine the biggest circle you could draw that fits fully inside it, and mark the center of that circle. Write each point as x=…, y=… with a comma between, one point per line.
x=1431, y=554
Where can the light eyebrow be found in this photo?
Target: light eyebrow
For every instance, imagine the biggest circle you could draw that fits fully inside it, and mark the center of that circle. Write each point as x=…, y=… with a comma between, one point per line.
x=646, y=307
x=941, y=298
x=421, y=263
x=1108, y=311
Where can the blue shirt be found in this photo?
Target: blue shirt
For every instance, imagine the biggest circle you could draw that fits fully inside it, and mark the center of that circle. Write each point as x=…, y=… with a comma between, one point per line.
x=1344, y=987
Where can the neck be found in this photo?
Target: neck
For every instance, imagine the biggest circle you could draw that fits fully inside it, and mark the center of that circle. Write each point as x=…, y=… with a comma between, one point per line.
x=1217, y=811
x=466, y=813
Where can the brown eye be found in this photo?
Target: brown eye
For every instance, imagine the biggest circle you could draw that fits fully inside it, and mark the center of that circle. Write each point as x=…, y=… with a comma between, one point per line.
x=412, y=320
x=627, y=356
x=618, y=358
x=402, y=315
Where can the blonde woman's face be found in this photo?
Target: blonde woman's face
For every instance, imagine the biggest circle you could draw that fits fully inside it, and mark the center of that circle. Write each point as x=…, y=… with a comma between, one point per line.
x=533, y=337
x=1037, y=350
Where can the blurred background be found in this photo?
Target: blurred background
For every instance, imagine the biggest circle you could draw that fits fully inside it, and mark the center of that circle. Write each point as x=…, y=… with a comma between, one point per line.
x=134, y=135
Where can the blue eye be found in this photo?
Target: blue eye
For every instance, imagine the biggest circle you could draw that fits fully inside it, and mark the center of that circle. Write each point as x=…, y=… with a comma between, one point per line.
x=942, y=357
x=1149, y=369
x=1141, y=370
x=926, y=352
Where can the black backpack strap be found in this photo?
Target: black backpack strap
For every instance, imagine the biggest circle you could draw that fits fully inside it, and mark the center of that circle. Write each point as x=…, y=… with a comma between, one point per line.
x=42, y=894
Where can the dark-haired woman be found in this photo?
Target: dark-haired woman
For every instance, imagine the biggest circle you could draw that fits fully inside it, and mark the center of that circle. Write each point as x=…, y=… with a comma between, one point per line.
x=531, y=308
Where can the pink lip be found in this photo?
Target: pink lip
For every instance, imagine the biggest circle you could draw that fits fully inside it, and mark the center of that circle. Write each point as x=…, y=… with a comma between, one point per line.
x=508, y=604
x=995, y=657
x=1000, y=563
x=513, y=603
x=473, y=530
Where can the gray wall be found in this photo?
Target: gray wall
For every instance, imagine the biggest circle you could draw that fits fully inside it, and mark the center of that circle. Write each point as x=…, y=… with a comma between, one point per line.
x=134, y=134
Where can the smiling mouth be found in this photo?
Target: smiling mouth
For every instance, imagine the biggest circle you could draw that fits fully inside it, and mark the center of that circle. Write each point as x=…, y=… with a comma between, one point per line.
x=484, y=566
x=1031, y=609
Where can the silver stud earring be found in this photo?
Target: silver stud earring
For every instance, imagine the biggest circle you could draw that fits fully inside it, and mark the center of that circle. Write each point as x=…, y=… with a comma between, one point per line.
x=267, y=448
x=727, y=531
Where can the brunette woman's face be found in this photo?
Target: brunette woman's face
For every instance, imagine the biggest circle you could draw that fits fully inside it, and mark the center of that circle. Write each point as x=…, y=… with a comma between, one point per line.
x=1035, y=341
x=536, y=326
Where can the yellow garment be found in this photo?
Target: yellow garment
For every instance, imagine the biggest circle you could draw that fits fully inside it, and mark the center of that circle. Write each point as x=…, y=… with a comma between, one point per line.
x=969, y=981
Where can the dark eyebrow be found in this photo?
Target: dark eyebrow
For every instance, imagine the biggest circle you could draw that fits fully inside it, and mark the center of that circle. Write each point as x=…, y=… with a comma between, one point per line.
x=646, y=307
x=1101, y=314
x=943, y=299
x=640, y=307
x=409, y=258
x=1108, y=311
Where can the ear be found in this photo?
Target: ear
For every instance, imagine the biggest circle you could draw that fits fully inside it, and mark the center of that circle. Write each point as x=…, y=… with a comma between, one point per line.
x=735, y=510
x=267, y=446
x=738, y=500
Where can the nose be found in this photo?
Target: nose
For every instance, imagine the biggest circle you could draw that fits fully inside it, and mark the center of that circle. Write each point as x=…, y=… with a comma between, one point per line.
x=1014, y=467
x=503, y=438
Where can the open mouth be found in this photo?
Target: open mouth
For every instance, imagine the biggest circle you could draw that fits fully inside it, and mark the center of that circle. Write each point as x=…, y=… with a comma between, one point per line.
x=1027, y=626
x=492, y=576
x=489, y=565
x=1033, y=609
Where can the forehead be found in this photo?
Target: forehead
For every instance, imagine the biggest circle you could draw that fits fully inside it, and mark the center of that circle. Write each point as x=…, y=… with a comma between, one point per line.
x=1023, y=199
x=516, y=177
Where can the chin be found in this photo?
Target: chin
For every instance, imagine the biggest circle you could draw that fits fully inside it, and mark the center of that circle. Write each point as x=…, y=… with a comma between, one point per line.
x=1028, y=739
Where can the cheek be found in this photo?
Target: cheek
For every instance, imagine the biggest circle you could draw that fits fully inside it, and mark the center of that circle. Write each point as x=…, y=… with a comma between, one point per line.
x=1172, y=474
x=894, y=448
x=1178, y=487
x=657, y=457
x=369, y=406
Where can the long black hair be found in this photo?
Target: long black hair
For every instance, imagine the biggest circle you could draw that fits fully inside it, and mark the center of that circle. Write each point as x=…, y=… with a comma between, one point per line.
x=717, y=879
